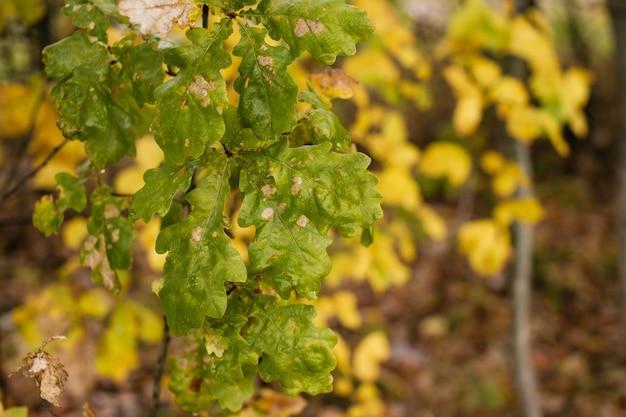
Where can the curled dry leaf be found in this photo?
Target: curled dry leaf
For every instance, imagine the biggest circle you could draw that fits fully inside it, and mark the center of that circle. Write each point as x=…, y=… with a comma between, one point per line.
x=48, y=371
x=157, y=17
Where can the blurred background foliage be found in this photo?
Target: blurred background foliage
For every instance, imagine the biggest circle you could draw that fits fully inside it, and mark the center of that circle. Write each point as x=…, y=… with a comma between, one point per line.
x=423, y=314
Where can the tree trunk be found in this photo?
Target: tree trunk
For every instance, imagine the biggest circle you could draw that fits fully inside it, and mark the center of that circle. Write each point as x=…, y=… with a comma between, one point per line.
x=617, y=10
x=525, y=378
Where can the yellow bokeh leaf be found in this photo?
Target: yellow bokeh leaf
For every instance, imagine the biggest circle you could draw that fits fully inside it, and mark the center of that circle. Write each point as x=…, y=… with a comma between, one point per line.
x=96, y=302
x=524, y=123
x=147, y=235
x=432, y=223
x=372, y=67
x=522, y=209
x=74, y=232
x=491, y=161
x=508, y=178
x=399, y=188
x=333, y=83
x=485, y=71
x=467, y=114
x=117, y=351
x=148, y=324
x=553, y=130
x=369, y=354
x=445, y=159
x=149, y=155
x=487, y=244
x=18, y=103
x=345, y=306
x=342, y=354
x=507, y=93
x=461, y=83
x=529, y=43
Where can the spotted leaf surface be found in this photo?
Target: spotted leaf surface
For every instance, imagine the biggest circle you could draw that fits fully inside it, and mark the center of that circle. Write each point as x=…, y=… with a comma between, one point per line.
x=188, y=106
x=201, y=256
x=325, y=28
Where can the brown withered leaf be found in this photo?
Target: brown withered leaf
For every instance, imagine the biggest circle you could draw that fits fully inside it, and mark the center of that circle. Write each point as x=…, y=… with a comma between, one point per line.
x=48, y=371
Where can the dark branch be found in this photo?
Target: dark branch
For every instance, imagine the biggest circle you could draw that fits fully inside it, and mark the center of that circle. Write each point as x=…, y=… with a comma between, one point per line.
x=20, y=182
x=158, y=372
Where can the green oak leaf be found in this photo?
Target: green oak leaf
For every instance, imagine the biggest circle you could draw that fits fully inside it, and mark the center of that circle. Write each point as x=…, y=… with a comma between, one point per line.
x=71, y=192
x=268, y=94
x=201, y=257
x=47, y=216
x=161, y=185
x=188, y=105
x=88, y=15
x=199, y=377
x=294, y=351
x=325, y=28
x=287, y=252
x=236, y=136
x=142, y=66
x=107, y=146
x=320, y=124
x=82, y=94
x=109, y=245
x=330, y=189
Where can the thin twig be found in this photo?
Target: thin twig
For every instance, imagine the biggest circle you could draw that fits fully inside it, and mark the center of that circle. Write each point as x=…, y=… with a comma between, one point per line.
x=23, y=144
x=19, y=183
x=158, y=372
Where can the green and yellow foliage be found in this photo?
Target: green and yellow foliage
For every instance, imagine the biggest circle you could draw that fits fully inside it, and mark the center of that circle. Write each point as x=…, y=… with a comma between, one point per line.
x=184, y=190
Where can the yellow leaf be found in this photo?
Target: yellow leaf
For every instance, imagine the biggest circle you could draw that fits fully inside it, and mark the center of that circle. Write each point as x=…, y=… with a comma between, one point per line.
x=95, y=302
x=467, y=114
x=147, y=235
x=148, y=324
x=333, y=83
x=524, y=123
x=445, y=159
x=487, y=245
x=522, y=209
x=117, y=351
x=74, y=232
x=277, y=404
x=508, y=92
x=491, y=161
x=508, y=178
x=149, y=155
x=552, y=128
x=432, y=223
x=372, y=67
x=399, y=188
x=478, y=25
x=345, y=306
x=529, y=43
x=18, y=103
x=369, y=354
x=461, y=83
x=485, y=71
x=574, y=95
x=342, y=353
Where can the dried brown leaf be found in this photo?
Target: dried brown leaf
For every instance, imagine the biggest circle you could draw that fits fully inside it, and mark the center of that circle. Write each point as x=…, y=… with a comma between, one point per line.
x=157, y=17
x=47, y=370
